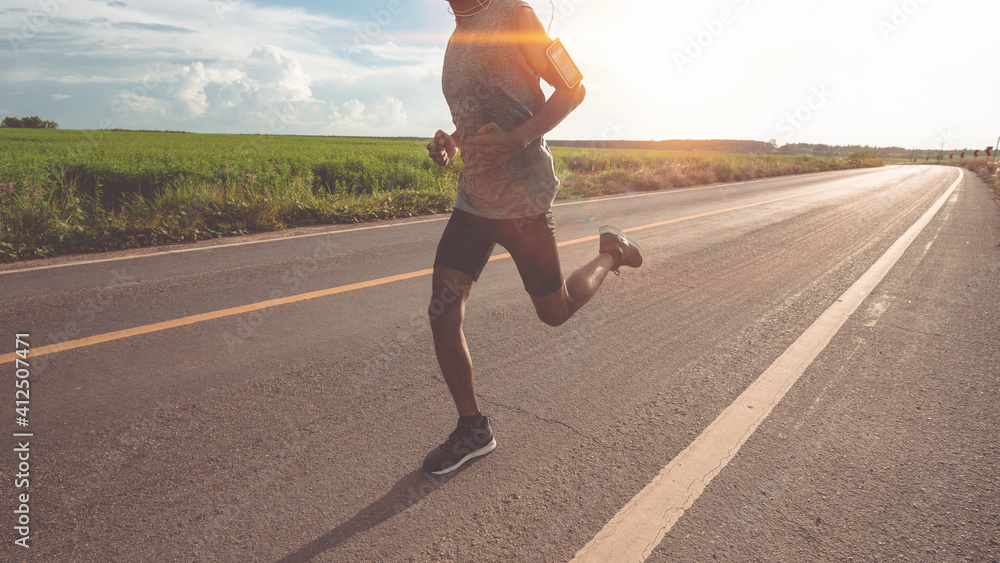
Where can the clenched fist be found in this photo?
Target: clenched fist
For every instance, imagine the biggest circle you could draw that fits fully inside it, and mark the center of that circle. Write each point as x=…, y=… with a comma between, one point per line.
x=495, y=145
x=442, y=149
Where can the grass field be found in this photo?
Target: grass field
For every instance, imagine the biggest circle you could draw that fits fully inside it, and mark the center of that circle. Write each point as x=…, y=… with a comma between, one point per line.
x=82, y=191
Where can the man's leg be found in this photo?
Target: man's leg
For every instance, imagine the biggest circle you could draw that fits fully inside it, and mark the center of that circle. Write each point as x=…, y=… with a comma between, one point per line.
x=559, y=306
x=537, y=256
x=473, y=437
x=462, y=253
x=450, y=292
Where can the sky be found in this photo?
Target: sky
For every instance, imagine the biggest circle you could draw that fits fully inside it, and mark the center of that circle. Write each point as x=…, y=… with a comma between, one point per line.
x=911, y=73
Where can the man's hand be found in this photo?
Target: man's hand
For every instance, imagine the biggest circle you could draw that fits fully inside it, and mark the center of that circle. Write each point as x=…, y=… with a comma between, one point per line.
x=495, y=146
x=442, y=149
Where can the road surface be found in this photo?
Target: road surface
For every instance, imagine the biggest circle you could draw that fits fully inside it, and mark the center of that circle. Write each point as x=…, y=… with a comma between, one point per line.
x=271, y=398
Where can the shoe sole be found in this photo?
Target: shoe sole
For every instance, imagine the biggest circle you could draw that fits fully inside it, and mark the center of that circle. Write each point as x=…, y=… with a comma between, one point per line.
x=480, y=452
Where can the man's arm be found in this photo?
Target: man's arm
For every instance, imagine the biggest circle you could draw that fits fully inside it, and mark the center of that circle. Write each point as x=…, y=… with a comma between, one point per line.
x=443, y=148
x=494, y=145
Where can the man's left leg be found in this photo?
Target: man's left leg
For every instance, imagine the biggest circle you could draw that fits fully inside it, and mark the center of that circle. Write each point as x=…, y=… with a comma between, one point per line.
x=533, y=248
x=556, y=308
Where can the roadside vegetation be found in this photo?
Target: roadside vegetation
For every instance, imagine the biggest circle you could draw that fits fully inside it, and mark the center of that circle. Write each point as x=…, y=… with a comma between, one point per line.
x=594, y=172
x=84, y=191
x=988, y=170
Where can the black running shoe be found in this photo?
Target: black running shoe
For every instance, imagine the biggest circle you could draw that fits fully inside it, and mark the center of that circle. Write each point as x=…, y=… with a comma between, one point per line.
x=465, y=443
x=623, y=249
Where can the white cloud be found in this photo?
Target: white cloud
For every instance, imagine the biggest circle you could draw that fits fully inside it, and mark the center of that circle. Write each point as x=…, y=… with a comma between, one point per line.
x=348, y=115
x=280, y=76
x=235, y=66
x=227, y=66
x=246, y=91
x=76, y=79
x=141, y=104
x=385, y=117
x=389, y=114
x=406, y=53
x=190, y=90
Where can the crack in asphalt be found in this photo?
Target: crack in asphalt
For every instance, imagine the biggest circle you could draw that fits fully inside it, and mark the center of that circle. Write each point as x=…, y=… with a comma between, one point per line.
x=937, y=334
x=533, y=415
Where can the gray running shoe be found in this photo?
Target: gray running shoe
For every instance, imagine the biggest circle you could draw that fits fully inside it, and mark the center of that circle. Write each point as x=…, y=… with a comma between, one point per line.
x=465, y=443
x=624, y=250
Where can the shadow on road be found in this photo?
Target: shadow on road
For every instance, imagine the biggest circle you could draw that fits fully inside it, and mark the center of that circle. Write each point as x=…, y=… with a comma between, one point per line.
x=408, y=491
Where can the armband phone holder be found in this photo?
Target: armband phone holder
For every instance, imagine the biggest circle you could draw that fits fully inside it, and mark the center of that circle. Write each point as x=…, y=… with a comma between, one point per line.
x=564, y=65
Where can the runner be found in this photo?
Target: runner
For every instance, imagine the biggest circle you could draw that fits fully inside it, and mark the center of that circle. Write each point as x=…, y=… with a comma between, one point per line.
x=492, y=66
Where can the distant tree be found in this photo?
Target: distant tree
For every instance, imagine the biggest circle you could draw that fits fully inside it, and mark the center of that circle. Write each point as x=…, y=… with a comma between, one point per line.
x=33, y=122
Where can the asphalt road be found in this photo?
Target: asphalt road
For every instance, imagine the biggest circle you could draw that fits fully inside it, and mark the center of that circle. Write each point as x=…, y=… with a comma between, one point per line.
x=294, y=431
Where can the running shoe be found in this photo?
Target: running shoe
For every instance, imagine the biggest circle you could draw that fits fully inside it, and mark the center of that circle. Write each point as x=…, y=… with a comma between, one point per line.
x=623, y=249
x=465, y=443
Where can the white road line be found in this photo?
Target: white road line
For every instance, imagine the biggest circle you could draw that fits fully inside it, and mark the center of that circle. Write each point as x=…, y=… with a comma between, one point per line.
x=354, y=230
x=641, y=525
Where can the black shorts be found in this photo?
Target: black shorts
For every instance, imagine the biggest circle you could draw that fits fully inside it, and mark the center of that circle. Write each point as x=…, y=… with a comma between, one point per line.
x=469, y=240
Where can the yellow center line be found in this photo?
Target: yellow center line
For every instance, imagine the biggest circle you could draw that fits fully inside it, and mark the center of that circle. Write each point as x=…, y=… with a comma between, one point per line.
x=194, y=319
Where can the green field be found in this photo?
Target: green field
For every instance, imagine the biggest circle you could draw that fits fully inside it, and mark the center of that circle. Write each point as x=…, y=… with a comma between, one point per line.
x=67, y=191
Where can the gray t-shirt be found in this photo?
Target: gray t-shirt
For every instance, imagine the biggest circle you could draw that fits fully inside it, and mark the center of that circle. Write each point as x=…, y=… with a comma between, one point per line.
x=487, y=80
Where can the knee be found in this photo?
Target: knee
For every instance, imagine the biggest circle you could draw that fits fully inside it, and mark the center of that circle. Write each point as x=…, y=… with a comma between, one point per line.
x=443, y=315
x=552, y=318
x=554, y=309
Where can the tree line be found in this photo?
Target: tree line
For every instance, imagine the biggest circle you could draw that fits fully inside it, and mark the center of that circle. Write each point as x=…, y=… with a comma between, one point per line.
x=760, y=147
x=33, y=122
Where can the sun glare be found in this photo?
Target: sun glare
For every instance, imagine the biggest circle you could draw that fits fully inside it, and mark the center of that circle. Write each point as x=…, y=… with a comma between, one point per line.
x=627, y=66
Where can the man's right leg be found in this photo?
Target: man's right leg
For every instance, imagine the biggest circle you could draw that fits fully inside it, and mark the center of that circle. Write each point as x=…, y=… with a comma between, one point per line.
x=473, y=437
x=464, y=250
x=450, y=293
